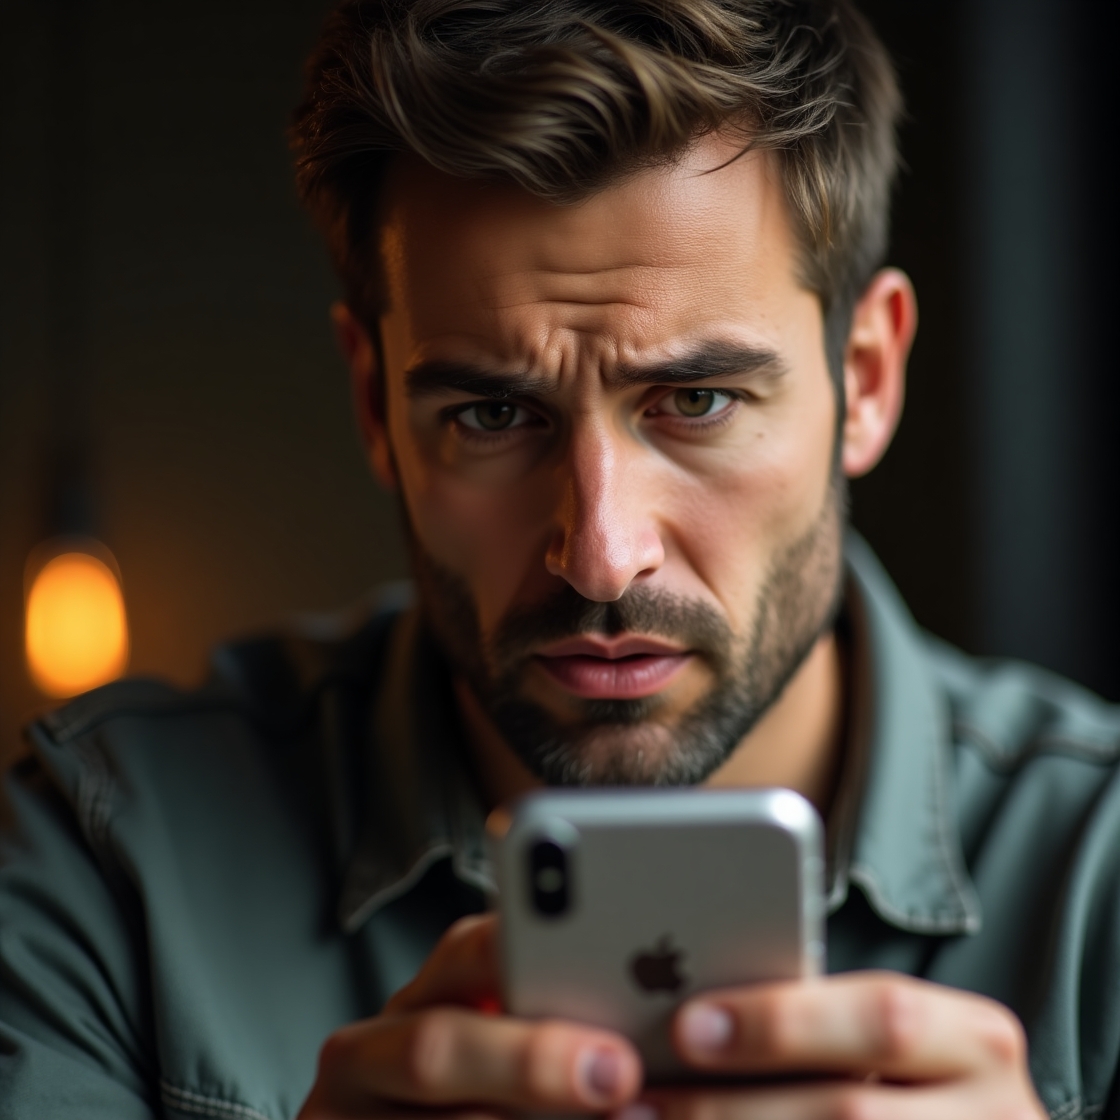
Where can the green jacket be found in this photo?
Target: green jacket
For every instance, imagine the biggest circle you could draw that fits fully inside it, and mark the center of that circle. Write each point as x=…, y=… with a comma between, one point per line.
x=202, y=886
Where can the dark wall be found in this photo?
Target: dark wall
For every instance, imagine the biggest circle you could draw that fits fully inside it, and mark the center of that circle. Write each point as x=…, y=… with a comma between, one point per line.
x=996, y=510
x=917, y=506
x=228, y=471
x=1042, y=285
x=156, y=273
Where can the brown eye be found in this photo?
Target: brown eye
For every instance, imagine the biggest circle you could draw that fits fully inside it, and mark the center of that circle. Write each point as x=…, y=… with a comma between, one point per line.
x=694, y=402
x=492, y=416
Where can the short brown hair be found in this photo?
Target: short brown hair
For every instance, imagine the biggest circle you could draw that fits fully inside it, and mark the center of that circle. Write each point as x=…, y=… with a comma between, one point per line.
x=566, y=96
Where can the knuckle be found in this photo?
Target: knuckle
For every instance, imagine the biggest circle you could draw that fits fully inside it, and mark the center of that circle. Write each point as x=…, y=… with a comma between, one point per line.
x=1004, y=1037
x=898, y=1017
x=339, y=1056
x=341, y=1051
x=429, y=1052
x=776, y=1026
x=542, y=1059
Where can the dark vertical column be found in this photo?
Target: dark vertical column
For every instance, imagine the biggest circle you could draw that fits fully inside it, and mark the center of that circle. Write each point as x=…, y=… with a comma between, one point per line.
x=1044, y=481
x=915, y=507
x=68, y=504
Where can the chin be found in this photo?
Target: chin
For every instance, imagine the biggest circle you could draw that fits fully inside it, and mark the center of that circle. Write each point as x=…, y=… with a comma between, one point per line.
x=645, y=754
x=624, y=755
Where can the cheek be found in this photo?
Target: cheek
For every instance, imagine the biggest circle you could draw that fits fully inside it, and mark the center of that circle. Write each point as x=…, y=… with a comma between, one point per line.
x=756, y=499
x=493, y=536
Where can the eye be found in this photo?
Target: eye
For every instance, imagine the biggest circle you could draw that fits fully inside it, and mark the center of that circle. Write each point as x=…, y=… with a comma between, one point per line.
x=695, y=404
x=493, y=416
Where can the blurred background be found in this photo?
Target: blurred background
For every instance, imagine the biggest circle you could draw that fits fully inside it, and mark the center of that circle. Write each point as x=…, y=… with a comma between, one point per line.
x=169, y=387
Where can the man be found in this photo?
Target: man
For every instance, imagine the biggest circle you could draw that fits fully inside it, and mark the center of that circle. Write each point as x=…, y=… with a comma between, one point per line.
x=618, y=336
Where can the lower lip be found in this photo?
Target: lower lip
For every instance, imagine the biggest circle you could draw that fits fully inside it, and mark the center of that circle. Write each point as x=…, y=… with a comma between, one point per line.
x=627, y=678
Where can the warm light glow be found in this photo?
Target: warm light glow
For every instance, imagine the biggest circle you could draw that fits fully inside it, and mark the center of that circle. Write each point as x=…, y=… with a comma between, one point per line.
x=77, y=634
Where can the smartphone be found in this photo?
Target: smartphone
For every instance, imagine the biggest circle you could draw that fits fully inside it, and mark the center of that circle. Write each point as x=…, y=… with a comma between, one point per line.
x=616, y=904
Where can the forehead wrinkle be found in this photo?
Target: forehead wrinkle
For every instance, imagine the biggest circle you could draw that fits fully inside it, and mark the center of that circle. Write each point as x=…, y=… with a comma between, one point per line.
x=604, y=303
x=630, y=284
x=532, y=360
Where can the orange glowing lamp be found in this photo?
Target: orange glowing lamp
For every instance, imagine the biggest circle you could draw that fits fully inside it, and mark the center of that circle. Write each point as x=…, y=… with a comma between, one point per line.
x=77, y=631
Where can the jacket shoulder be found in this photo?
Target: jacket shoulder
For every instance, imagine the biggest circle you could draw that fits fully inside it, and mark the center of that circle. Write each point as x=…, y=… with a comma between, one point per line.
x=263, y=693
x=1011, y=711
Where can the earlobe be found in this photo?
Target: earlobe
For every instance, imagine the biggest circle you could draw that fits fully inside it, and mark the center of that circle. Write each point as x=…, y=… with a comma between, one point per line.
x=362, y=356
x=883, y=325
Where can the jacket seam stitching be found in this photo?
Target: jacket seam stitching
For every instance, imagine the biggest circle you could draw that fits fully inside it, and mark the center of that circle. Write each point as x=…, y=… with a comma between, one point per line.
x=1076, y=1109
x=61, y=729
x=184, y=1100
x=1063, y=745
x=941, y=922
x=950, y=855
x=95, y=801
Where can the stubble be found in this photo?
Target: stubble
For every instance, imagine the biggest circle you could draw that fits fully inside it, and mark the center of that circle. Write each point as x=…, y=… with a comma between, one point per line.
x=639, y=742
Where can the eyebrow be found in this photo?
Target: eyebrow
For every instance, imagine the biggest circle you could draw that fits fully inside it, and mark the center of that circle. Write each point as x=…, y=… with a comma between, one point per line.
x=709, y=360
x=429, y=378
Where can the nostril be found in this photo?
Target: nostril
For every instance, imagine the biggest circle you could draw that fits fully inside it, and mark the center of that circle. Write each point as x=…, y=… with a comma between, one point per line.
x=605, y=536
x=602, y=567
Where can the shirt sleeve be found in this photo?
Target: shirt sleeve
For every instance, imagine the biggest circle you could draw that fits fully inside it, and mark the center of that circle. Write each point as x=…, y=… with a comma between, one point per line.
x=72, y=981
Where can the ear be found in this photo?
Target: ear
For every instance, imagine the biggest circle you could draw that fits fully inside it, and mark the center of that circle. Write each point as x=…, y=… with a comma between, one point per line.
x=883, y=326
x=366, y=385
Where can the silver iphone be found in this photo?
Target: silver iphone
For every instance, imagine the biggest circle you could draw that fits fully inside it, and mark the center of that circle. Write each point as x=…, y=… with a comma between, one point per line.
x=615, y=905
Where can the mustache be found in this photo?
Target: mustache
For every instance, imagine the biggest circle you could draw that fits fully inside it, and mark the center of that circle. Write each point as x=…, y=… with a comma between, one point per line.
x=641, y=610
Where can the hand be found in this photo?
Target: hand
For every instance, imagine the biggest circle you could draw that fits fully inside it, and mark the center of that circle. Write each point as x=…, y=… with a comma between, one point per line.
x=891, y=1047
x=435, y=1051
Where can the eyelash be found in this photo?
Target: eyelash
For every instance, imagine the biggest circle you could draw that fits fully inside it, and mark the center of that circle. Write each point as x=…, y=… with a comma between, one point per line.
x=453, y=414
x=734, y=396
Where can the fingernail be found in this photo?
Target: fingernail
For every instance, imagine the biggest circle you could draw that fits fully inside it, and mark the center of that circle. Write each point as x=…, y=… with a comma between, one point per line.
x=636, y=1111
x=705, y=1028
x=602, y=1072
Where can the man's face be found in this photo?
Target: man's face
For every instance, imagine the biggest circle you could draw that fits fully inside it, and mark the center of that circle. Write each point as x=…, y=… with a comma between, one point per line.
x=612, y=426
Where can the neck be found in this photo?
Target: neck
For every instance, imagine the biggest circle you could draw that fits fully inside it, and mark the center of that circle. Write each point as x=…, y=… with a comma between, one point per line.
x=797, y=743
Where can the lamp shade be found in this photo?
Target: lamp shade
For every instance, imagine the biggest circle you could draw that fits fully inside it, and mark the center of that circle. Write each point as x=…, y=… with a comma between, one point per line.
x=76, y=633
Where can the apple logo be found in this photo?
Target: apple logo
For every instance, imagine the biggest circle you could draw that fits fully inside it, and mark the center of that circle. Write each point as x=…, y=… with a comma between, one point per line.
x=658, y=969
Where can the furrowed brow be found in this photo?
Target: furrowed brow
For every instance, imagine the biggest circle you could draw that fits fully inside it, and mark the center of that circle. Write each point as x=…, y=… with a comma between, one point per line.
x=713, y=359
x=426, y=379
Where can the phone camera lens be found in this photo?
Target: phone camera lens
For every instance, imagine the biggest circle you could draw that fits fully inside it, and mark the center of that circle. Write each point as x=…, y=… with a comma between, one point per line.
x=548, y=878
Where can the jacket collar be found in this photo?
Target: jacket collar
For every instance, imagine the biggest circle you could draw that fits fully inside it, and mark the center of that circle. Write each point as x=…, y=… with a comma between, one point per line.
x=421, y=800
x=893, y=830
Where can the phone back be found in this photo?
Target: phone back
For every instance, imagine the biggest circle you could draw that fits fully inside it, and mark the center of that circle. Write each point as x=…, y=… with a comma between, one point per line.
x=615, y=905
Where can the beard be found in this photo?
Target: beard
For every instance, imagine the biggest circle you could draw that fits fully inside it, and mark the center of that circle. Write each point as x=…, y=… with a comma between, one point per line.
x=641, y=742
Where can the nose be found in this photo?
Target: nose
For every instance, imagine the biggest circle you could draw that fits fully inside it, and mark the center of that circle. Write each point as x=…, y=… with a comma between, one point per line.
x=606, y=535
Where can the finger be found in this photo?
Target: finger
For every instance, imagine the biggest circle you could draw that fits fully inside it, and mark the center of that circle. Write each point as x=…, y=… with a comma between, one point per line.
x=391, y=1112
x=462, y=968
x=452, y=1056
x=822, y=1101
x=885, y=1023
x=974, y=1100
x=315, y=1109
